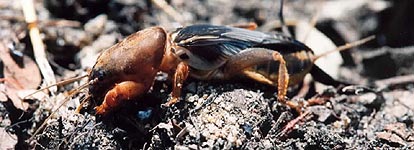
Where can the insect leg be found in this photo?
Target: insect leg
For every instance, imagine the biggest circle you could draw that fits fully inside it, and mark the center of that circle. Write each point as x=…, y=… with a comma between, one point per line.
x=283, y=79
x=258, y=77
x=122, y=91
x=254, y=56
x=180, y=76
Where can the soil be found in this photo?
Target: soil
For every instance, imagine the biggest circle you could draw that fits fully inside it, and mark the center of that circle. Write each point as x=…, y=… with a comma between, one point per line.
x=375, y=112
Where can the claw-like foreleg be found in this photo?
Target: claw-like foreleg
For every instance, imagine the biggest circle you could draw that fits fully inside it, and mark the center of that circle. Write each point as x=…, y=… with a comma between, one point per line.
x=180, y=76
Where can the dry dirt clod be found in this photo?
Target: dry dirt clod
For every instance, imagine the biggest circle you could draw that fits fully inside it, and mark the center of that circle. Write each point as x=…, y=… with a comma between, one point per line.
x=392, y=138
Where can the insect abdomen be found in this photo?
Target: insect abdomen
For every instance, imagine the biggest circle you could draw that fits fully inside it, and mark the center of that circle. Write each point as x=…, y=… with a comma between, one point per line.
x=298, y=65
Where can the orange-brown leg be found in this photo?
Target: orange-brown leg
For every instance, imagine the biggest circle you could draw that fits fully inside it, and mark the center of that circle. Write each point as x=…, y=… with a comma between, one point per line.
x=121, y=92
x=256, y=56
x=283, y=79
x=180, y=76
x=283, y=82
x=258, y=77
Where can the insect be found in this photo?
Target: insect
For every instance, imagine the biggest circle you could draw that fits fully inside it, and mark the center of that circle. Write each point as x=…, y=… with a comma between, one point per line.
x=128, y=69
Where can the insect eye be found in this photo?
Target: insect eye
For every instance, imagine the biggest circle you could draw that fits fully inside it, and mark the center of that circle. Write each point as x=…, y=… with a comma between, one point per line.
x=101, y=75
x=184, y=56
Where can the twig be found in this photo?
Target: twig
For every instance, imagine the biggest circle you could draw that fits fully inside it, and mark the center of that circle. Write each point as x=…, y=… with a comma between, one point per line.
x=248, y=26
x=181, y=134
x=170, y=11
x=44, y=23
x=313, y=21
x=38, y=47
x=11, y=17
x=381, y=84
x=61, y=23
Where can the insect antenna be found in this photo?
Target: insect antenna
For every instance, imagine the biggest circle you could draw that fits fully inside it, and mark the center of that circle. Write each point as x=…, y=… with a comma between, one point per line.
x=313, y=22
x=285, y=29
x=344, y=47
x=64, y=82
x=76, y=91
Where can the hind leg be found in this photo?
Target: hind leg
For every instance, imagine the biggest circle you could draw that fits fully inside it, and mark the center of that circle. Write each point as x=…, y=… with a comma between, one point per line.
x=257, y=56
x=120, y=92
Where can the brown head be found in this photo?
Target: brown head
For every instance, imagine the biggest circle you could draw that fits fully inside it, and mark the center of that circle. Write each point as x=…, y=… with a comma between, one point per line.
x=136, y=58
